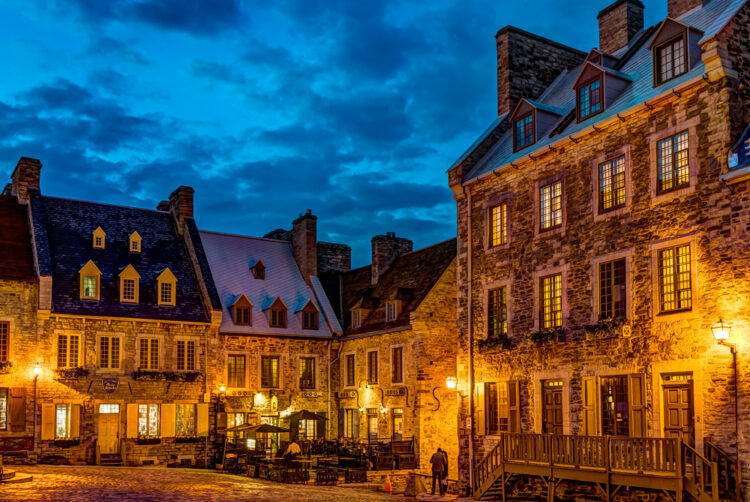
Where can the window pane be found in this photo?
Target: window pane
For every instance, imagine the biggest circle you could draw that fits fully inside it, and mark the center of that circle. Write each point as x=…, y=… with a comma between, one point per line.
x=3, y=409
x=350, y=370
x=180, y=355
x=551, y=299
x=154, y=354
x=4, y=341
x=62, y=351
x=61, y=421
x=675, y=279
x=143, y=353
x=497, y=321
x=128, y=289
x=104, y=352
x=550, y=206
x=307, y=373
x=498, y=225
x=614, y=399
x=89, y=286
x=612, y=184
x=190, y=356
x=73, y=351
x=397, y=364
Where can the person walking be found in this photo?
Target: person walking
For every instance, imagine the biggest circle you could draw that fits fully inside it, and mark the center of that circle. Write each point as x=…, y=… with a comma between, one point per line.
x=438, y=465
x=444, y=481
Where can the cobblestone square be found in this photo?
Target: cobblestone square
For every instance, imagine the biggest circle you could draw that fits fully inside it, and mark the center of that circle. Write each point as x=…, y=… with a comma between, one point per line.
x=123, y=484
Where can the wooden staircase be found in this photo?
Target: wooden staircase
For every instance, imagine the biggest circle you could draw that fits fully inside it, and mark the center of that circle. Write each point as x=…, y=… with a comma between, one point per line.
x=610, y=463
x=110, y=459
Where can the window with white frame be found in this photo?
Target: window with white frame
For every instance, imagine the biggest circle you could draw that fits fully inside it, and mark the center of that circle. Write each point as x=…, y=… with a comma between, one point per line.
x=109, y=352
x=68, y=346
x=391, y=311
x=356, y=318
x=148, y=419
x=185, y=355
x=149, y=353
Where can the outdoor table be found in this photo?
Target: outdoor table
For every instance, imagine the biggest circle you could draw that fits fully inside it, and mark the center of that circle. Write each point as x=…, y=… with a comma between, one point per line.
x=304, y=464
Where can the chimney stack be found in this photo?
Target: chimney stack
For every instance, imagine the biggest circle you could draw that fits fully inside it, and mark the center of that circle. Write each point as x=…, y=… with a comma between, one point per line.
x=676, y=8
x=25, y=176
x=618, y=24
x=305, y=244
x=163, y=206
x=385, y=249
x=181, y=205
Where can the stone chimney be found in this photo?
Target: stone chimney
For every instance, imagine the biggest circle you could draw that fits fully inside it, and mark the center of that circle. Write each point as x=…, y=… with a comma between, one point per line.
x=618, y=24
x=305, y=244
x=25, y=176
x=527, y=64
x=676, y=8
x=385, y=249
x=181, y=205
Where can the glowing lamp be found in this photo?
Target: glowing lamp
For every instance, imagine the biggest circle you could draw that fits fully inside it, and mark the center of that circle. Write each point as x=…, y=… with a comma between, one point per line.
x=451, y=382
x=721, y=330
x=37, y=369
x=222, y=388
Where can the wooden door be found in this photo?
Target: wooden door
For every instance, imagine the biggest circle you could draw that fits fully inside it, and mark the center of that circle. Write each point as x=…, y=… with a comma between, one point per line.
x=109, y=432
x=678, y=412
x=398, y=424
x=552, y=410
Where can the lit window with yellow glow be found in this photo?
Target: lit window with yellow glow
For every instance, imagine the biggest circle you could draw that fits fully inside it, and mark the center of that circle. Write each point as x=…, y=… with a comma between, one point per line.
x=109, y=352
x=68, y=347
x=550, y=290
x=550, y=207
x=675, y=283
x=148, y=420
x=498, y=225
x=167, y=286
x=89, y=277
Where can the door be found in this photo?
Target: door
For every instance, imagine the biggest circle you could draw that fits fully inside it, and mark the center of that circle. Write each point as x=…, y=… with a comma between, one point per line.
x=372, y=425
x=398, y=424
x=678, y=411
x=109, y=428
x=552, y=412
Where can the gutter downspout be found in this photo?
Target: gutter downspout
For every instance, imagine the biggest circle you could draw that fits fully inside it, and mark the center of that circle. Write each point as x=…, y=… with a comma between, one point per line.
x=470, y=350
x=330, y=384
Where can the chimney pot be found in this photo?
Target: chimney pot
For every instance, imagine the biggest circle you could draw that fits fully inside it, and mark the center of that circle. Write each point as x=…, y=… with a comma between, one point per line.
x=25, y=176
x=618, y=24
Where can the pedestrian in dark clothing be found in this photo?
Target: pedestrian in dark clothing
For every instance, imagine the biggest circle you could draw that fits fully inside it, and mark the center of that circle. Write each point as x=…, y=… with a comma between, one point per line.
x=445, y=471
x=438, y=466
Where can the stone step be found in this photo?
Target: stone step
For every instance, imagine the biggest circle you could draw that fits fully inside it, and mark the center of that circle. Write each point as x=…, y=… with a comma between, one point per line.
x=7, y=474
x=18, y=477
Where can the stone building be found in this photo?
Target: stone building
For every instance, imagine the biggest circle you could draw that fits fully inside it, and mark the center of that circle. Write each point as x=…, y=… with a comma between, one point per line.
x=602, y=234
x=398, y=348
x=113, y=334
x=277, y=332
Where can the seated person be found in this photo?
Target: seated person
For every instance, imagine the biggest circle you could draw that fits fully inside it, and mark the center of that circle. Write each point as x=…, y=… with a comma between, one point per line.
x=292, y=450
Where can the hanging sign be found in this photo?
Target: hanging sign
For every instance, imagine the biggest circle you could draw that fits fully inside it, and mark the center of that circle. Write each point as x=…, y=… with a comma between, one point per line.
x=110, y=384
x=274, y=403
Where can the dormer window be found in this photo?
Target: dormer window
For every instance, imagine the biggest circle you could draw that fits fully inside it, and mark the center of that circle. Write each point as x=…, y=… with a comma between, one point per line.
x=277, y=314
x=392, y=310
x=671, y=60
x=90, y=279
x=166, y=288
x=129, y=285
x=243, y=311
x=134, y=243
x=590, y=98
x=356, y=318
x=98, y=238
x=310, y=316
x=675, y=50
x=524, y=132
x=259, y=270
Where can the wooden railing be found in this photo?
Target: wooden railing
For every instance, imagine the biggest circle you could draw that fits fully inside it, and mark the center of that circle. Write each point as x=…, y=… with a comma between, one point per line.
x=701, y=475
x=729, y=477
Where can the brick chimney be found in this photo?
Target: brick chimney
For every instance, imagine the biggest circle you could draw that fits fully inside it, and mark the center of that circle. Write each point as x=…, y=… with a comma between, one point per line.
x=385, y=249
x=181, y=205
x=305, y=244
x=618, y=24
x=676, y=8
x=527, y=64
x=25, y=175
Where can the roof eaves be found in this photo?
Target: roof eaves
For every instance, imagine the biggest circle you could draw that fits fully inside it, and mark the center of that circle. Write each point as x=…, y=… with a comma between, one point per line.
x=479, y=140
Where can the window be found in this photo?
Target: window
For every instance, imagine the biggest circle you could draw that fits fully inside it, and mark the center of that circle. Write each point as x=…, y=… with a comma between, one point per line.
x=551, y=301
x=165, y=293
x=128, y=289
x=184, y=420
x=89, y=286
x=278, y=318
x=148, y=420
x=524, y=135
x=673, y=166
x=356, y=318
x=89, y=276
x=235, y=419
x=236, y=371
x=589, y=99
x=4, y=341
x=269, y=371
x=306, y=430
x=242, y=316
x=391, y=311
x=675, y=288
x=63, y=418
x=350, y=370
x=497, y=314
x=67, y=350
x=185, y=355
x=501, y=407
x=612, y=300
x=310, y=319
x=614, y=402
x=550, y=207
x=397, y=365
x=372, y=424
x=351, y=424
x=671, y=59
x=306, y=372
x=109, y=352
x=129, y=282
x=498, y=225
x=259, y=270
x=612, y=184
x=167, y=288
x=99, y=242
x=149, y=353
x=3, y=409
x=372, y=367
x=98, y=236
x=134, y=245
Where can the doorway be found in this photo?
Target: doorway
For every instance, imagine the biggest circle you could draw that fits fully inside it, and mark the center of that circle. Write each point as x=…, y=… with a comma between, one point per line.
x=398, y=424
x=552, y=410
x=109, y=428
x=678, y=407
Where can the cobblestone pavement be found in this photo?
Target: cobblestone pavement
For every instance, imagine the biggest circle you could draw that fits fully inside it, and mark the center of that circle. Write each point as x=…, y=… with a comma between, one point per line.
x=127, y=484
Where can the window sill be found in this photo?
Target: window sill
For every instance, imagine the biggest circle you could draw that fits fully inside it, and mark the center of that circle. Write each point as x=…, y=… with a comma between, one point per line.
x=658, y=198
x=549, y=232
x=495, y=249
x=677, y=315
x=611, y=213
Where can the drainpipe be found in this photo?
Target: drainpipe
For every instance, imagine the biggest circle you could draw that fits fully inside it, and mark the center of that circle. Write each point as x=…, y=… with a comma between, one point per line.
x=330, y=385
x=470, y=348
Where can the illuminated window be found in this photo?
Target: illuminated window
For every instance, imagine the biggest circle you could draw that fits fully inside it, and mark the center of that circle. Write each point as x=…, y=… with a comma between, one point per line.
x=673, y=166
x=98, y=237
x=671, y=60
x=185, y=355
x=149, y=353
x=167, y=286
x=148, y=420
x=134, y=243
x=350, y=377
x=589, y=99
x=550, y=207
x=524, y=131
x=551, y=301
x=68, y=347
x=63, y=417
x=397, y=365
x=306, y=430
x=184, y=420
x=3, y=409
x=372, y=367
x=165, y=293
x=614, y=404
x=4, y=341
x=351, y=424
x=612, y=301
x=612, y=184
x=497, y=314
x=498, y=225
x=306, y=372
x=235, y=419
x=675, y=284
x=109, y=352
x=89, y=286
x=269, y=371
x=236, y=371
x=89, y=276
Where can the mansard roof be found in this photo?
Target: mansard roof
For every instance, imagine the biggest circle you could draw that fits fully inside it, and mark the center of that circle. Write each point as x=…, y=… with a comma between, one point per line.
x=230, y=258
x=409, y=279
x=16, y=259
x=634, y=63
x=62, y=232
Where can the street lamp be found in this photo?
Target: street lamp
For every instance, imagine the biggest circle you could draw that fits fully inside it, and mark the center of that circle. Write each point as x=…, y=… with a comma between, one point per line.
x=451, y=382
x=721, y=331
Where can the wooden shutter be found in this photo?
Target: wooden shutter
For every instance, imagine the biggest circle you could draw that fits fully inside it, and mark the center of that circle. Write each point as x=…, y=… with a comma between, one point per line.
x=342, y=420
x=201, y=419
x=132, y=421
x=18, y=409
x=355, y=428
x=514, y=406
x=321, y=432
x=479, y=408
x=167, y=420
x=636, y=405
x=590, y=406
x=48, y=421
x=75, y=421
x=221, y=420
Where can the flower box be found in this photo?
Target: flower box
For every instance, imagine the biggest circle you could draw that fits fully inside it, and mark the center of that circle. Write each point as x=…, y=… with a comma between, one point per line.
x=187, y=439
x=148, y=440
x=67, y=443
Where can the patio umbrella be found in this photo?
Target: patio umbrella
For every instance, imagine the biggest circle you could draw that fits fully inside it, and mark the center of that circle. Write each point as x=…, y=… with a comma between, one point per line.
x=305, y=415
x=241, y=428
x=266, y=429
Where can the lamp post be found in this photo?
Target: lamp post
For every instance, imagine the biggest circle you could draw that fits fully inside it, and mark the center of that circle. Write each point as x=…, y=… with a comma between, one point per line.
x=721, y=331
x=37, y=372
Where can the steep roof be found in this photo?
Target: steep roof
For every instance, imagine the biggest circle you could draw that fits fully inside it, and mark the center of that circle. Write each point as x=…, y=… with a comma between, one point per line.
x=230, y=258
x=635, y=64
x=16, y=259
x=410, y=279
x=63, y=235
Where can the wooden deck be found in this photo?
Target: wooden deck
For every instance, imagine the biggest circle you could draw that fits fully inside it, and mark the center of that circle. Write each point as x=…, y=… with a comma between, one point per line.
x=610, y=463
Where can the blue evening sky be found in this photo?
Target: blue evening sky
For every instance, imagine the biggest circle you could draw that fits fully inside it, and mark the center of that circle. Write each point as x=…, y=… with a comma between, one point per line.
x=354, y=109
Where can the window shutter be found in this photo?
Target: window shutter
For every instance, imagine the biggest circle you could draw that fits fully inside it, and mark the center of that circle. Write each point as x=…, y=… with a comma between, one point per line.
x=479, y=408
x=202, y=419
x=636, y=405
x=355, y=428
x=514, y=406
x=167, y=420
x=221, y=420
x=18, y=409
x=132, y=418
x=75, y=421
x=590, y=405
x=342, y=420
x=321, y=432
x=48, y=421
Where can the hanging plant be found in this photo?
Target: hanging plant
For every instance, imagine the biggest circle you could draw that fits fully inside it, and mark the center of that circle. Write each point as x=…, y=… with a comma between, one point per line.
x=6, y=366
x=71, y=373
x=606, y=328
x=547, y=335
x=500, y=342
x=148, y=440
x=187, y=439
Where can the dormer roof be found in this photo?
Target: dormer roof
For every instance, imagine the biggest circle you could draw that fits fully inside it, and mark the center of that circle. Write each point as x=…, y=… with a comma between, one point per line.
x=129, y=272
x=525, y=105
x=239, y=300
x=668, y=29
x=589, y=70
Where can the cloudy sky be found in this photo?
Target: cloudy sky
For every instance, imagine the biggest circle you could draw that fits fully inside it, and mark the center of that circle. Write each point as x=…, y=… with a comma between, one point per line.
x=353, y=108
